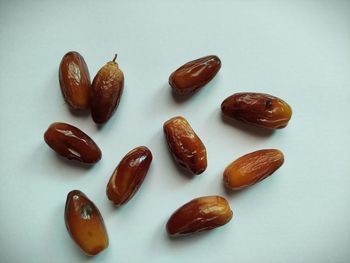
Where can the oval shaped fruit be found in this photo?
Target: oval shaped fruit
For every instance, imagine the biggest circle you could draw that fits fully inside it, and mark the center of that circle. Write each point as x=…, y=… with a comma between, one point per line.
x=72, y=143
x=252, y=168
x=75, y=81
x=258, y=109
x=106, y=91
x=129, y=175
x=185, y=146
x=85, y=223
x=200, y=214
x=194, y=74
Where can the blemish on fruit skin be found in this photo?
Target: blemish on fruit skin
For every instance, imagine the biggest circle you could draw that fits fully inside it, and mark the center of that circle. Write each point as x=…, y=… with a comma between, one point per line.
x=86, y=211
x=268, y=104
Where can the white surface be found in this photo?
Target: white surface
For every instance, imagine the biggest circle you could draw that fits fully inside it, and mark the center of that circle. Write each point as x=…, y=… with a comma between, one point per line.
x=297, y=50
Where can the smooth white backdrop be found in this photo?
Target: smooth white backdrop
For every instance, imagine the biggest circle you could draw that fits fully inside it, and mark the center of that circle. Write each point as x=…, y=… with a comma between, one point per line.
x=297, y=50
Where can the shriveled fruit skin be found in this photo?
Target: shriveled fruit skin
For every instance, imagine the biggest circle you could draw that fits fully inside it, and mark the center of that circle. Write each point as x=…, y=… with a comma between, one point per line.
x=75, y=81
x=106, y=91
x=252, y=168
x=200, y=214
x=258, y=109
x=85, y=223
x=194, y=74
x=72, y=143
x=186, y=147
x=129, y=175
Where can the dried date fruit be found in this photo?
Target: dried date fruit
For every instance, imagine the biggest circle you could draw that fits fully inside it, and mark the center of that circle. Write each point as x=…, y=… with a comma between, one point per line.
x=194, y=74
x=129, y=175
x=258, y=109
x=252, y=168
x=106, y=91
x=85, y=224
x=75, y=81
x=200, y=214
x=72, y=143
x=185, y=146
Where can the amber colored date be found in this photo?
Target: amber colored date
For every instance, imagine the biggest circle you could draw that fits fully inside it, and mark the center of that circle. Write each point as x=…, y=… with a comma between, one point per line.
x=72, y=143
x=194, y=74
x=257, y=109
x=252, y=168
x=200, y=214
x=129, y=175
x=106, y=91
x=185, y=146
x=75, y=81
x=85, y=223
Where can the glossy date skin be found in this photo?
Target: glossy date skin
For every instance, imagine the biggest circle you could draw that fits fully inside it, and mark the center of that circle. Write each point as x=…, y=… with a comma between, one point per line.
x=194, y=74
x=106, y=91
x=252, y=168
x=258, y=109
x=129, y=175
x=75, y=81
x=186, y=147
x=200, y=214
x=72, y=143
x=85, y=224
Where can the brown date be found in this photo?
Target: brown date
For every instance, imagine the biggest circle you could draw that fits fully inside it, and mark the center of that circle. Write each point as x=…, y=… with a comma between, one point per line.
x=85, y=224
x=194, y=74
x=129, y=175
x=106, y=91
x=257, y=109
x=75, y=81
x=72, y=143
x=252, y=168
x=185, y=146
x=200, y=214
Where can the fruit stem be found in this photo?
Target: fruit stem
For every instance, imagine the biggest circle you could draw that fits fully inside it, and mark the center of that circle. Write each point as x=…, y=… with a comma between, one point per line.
x=115, y=57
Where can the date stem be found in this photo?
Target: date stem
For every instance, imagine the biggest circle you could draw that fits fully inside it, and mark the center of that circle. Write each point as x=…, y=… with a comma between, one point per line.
x=115, y=57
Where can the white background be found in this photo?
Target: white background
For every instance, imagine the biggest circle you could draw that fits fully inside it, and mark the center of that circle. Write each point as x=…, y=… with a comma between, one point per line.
x=297, y=50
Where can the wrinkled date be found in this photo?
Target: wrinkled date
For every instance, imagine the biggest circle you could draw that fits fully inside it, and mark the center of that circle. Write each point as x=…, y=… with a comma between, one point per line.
x=106, y=91
x=75, y=80
x=129, y=175
x=257, y=109
x=85, y=223
x=200, y=214
x=194, y=74
x=185, y=146
x=252, y=168
x=72, y=143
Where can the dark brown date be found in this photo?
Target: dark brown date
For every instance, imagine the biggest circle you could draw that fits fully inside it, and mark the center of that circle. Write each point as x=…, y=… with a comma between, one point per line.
x=194, y=74
x=257, y=109
x=75, y=81
x=185, y=146
x=72, y=143
x=85, y=223
x=106, y=91
x=200, y=214
x=129, y=175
